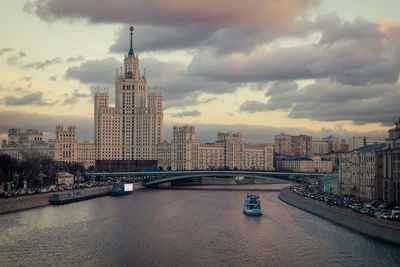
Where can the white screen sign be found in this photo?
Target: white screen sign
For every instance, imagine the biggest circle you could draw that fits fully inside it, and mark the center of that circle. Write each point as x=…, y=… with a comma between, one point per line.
x=128, y=187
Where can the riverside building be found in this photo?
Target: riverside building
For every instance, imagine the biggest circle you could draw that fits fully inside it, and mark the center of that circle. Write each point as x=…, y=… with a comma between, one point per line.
x=228, y=152
x=64, y=148
x=391, y=166
x=287, y=145
x=301, y=145
x=283, y=144
x=132, y=129
x=22, y=144
x=69, y=150
x=361, y=172
x=304, y=164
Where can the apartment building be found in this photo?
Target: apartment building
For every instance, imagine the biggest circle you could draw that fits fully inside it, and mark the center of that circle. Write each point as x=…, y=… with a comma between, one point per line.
x=319, y=148
x=301, y=145
x=333, y=143
x=304, y=164
x=361, y=172
x=283, y=144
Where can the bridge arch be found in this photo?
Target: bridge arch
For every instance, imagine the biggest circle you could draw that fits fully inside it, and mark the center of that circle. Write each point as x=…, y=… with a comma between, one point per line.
x=157, y=180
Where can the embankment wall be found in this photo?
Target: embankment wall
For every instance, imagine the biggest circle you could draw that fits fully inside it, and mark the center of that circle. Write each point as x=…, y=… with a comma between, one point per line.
x=379, y=229
x=34, y=201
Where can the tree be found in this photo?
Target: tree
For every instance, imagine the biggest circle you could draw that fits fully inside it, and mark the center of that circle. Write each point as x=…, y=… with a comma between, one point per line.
x=48, y=170
x=8, y=165
x=30, y=169
x=75, y=168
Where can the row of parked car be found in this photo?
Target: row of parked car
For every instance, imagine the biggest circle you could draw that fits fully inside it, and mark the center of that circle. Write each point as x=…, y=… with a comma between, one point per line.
x=375, y=208
x=52, y=188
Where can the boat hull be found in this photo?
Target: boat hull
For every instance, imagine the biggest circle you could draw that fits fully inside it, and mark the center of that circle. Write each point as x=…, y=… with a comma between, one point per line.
x=252, y=212
x=117, y=194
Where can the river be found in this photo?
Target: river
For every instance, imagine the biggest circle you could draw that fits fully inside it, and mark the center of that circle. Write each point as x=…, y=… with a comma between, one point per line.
x=159, y=227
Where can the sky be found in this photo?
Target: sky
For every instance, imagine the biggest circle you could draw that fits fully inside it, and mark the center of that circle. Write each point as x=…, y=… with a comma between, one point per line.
x=300, y=67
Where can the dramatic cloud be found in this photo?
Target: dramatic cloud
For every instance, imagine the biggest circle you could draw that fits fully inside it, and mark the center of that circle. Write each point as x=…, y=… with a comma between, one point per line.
x=42, y=65
x=348, y=64
x=5, y=50
x=356, y=64
x=95, y=71
x=192, y=113
x=75, y=59
x=242, y=38
x=325, y=102
x=53, y=77
x=13, y=60
x=178, y=87
x=151, y=38
x=29, y=99
x=224, y=25
x=175, y=12
x=355, y=53
x=332, y=101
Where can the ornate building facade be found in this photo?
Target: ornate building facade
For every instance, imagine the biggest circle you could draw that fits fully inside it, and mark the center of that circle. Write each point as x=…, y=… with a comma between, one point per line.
x=391, y=166
x=69, y=150
x=228, y=152
x=361, y=172
x=23, y=144
x=133, y=128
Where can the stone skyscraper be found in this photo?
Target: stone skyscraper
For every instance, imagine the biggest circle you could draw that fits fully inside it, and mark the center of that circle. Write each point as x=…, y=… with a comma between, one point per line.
x=133, y=128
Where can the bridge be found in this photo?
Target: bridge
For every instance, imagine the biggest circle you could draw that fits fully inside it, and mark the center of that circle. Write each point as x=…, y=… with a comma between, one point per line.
x=154, y=178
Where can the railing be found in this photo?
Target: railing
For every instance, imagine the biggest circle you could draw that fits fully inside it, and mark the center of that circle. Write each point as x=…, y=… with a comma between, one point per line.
x=165, y=176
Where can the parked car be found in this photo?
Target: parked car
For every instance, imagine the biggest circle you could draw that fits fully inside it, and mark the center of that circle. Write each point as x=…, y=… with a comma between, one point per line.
x=395, y=214
x=363, y=211
x=386, y=214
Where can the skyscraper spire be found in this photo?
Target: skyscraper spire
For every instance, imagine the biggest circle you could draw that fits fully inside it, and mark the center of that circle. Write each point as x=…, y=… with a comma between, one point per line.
x=130, y=54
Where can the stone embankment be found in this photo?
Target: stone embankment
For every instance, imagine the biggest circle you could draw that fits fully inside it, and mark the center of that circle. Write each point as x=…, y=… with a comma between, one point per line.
x=34, y=201
x=384, y=230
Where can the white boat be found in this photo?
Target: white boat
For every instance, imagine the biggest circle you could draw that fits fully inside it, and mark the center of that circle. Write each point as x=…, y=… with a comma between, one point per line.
x=252, y=205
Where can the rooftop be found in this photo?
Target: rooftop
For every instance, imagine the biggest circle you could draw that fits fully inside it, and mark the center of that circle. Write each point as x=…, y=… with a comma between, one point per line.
x=371, y=148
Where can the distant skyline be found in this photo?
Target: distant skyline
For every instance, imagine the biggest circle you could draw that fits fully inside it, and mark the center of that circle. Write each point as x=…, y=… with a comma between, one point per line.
x=300, y=67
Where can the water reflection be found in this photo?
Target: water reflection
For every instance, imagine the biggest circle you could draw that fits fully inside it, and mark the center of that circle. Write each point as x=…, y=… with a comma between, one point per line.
x=181, y=227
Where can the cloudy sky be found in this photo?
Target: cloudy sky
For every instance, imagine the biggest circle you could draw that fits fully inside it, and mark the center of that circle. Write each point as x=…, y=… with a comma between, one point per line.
x=261, y=67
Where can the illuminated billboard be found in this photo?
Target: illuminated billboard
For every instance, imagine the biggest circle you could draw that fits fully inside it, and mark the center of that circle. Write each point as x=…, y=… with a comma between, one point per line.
x=128, y=187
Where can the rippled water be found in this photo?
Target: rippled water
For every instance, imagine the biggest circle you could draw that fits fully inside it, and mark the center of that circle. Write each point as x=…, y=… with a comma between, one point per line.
x=182, y=227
